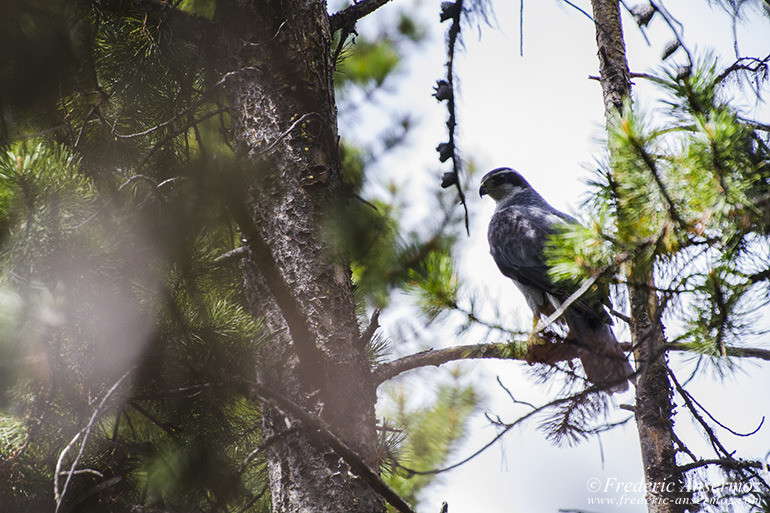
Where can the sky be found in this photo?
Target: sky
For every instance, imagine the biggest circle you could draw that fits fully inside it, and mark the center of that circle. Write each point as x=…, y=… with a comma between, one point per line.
x=543, y=116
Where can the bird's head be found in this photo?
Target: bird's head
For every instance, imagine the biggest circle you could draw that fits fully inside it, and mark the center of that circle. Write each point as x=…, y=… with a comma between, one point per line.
x=503, y=183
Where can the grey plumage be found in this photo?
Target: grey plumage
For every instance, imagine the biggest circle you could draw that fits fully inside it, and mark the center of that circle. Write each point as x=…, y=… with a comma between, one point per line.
x=517, y=233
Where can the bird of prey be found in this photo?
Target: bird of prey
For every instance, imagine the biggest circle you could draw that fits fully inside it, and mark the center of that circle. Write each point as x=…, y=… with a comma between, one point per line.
x=518, y=230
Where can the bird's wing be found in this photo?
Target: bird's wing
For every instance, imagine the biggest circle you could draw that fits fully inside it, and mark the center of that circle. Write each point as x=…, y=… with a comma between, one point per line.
x=517, y=235
x=516, y=238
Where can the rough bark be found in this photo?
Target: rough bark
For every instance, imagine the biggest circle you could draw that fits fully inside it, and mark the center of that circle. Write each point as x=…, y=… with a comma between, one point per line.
x=654, y=407
x=613, y=66
x=284, y=131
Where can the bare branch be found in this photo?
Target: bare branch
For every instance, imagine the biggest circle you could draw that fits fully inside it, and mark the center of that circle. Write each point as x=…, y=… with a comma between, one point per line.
x=556, y=402
x=303, y=341
x=231, y=256
x=448, y=149
x=722, y=462
x=739, y=352
x=86, y=432
x=671, y=21
x=320, y=434
x=371, y=329
x=347, y=17
x=752, y=64
x=646, y=76
x=552, y=351
x=692, y=401
x=760, y=276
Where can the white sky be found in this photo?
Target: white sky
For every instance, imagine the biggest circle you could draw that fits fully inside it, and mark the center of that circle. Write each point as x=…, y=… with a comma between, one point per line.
x=541, y=115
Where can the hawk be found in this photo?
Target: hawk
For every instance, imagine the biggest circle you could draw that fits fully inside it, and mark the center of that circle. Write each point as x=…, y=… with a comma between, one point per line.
x=517, y=233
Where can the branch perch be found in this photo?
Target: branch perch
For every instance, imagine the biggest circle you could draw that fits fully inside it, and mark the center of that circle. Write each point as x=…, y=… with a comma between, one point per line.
x=550, y=352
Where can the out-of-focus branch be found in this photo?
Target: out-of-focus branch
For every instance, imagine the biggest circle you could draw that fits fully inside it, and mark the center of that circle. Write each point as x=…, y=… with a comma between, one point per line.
x=752, y=64
x=59, y=497
x=321, y=435
x=303, y=340
x=231, y=256
x=760, y=276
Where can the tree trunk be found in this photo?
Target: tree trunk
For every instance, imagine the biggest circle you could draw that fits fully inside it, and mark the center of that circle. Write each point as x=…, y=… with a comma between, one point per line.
x=284, y=131
x=654, y=408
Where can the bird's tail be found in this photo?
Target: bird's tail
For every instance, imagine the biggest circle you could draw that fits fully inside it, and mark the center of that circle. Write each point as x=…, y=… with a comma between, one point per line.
x=603, y=360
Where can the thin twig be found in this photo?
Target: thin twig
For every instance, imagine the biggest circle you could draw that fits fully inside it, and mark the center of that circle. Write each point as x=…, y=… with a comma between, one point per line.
x=740, y=64
x=264, y=444
x=508, y=427
x=287, y=132
x=58, y=471
x=754, y=431
x=179, y=131
x=86, y=432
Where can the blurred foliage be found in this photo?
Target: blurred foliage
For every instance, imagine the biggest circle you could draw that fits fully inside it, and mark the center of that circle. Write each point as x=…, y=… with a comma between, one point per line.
x=115, y=175
x=370, y=64
x=436, y=284
x=425, y=435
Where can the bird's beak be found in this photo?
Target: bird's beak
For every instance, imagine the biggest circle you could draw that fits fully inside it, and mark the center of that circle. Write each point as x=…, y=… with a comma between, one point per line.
x=482, y=190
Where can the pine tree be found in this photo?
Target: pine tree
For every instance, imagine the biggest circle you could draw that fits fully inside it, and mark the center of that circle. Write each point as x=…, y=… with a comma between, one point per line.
x=191, y=260
x=132, y=341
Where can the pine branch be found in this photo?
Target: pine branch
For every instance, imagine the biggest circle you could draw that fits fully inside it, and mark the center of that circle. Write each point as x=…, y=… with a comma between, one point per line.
x=347, y=17
x=722, y=462
x=752, y=64
x=738, y=352
x=549, y=352
x=445, y=90
x=652, y=167
x=303, y=341
x=552, y=351
x=233, y=255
